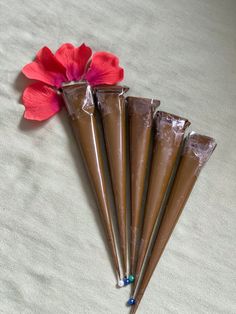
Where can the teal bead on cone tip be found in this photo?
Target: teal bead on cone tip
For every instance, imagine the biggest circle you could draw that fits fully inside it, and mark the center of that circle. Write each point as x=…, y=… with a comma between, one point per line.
x=131, y=278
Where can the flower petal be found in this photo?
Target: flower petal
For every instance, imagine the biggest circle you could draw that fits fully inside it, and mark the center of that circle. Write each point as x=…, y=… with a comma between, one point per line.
x=46, y=68
x=104, y=69
x=74, y=60
x=41, y=102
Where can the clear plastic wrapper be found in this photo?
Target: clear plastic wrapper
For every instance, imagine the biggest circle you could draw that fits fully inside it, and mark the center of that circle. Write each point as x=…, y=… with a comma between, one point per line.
x=140, y=112
x=169, y=132
x=111, y=103
x=197, y=150
x=80, y=105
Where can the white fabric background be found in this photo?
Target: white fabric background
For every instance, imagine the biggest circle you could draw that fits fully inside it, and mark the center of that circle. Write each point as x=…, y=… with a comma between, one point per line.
x=52, y=254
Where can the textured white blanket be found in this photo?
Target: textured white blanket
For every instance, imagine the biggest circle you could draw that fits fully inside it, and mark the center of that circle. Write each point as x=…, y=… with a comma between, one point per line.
x=52, y=254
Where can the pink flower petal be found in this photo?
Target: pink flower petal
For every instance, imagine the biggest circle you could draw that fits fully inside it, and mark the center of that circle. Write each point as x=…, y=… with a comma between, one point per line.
x=46, y=68
x=104, y=69
x=74, y=60
x=41, y=102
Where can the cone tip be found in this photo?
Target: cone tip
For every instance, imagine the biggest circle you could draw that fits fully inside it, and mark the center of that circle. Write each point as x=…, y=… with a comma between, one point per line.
x=134, y=306
x=120, y=283
x=131, y=301
x=125, y=281
x=131, y=278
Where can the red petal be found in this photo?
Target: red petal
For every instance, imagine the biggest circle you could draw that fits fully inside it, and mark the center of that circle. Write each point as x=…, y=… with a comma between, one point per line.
x=74, y=60
x=46, y=68
x=41, y=102
x=104, y=69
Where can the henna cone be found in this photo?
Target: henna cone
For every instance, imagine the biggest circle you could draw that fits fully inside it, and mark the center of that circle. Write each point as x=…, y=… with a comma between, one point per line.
x=111, y=103
x=81, y=108
x=197, y=150
x=169, y=134
x=140, y=112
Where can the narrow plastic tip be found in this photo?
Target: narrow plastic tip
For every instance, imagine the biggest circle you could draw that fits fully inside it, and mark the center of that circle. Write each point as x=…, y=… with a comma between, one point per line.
x=131, y=301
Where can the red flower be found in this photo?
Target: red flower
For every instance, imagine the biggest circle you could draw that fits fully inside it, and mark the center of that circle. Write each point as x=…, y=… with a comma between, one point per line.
x=41, y=102
x=104, y=69
x=42, y=99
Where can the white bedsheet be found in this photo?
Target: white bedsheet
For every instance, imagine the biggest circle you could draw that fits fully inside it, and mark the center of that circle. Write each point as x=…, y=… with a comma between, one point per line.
x=52, y=254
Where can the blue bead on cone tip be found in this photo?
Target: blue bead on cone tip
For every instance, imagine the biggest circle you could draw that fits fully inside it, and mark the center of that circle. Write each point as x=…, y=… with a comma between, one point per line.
x=131, y=301
x=126, y=281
